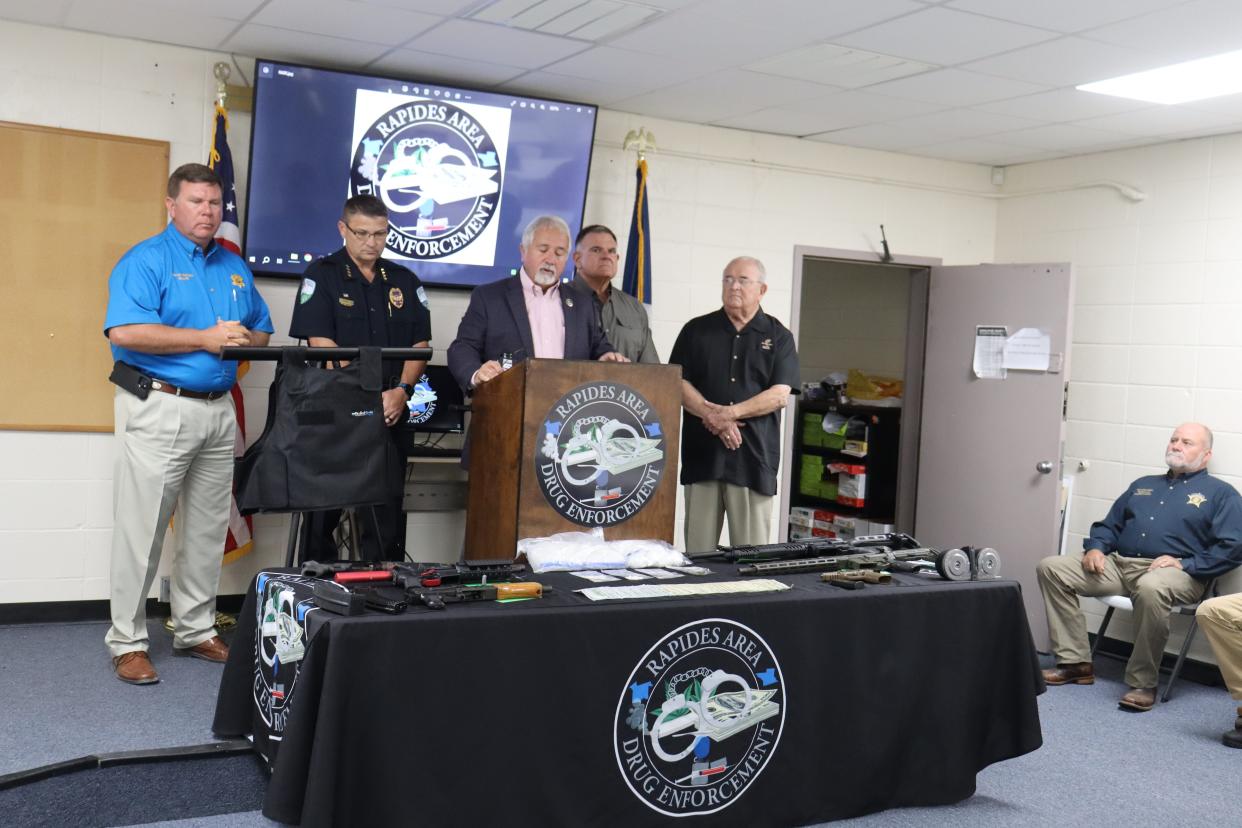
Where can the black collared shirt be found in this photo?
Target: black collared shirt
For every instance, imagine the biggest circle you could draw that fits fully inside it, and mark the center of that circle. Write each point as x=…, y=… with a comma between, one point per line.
x=729, y=366
x=335, y=301
x=1194, y=517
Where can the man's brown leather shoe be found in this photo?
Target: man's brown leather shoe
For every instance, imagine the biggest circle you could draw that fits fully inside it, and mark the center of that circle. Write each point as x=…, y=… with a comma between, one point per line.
x=213, y=649
x=1139, y=699
x=1081, y=673
x=135, y=667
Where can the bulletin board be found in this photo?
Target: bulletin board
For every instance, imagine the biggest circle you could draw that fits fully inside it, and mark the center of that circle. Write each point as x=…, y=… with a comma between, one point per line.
x=70, y=204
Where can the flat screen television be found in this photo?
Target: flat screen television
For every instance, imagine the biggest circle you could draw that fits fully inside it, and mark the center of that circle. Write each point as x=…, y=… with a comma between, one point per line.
x=437, y=404
x=461, y=170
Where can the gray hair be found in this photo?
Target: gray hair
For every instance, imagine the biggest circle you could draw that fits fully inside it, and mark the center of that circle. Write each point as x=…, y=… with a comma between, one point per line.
x=541, y=222
x=750, y=260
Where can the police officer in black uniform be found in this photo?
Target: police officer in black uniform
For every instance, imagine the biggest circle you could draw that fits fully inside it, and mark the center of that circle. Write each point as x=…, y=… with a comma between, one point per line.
x=355, y=298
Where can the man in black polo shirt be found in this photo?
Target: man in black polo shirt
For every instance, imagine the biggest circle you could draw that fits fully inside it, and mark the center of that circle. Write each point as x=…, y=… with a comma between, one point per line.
x=739, y=366
x=356, y=298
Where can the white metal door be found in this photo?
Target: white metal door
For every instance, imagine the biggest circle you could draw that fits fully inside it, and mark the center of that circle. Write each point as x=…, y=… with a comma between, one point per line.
x=990, y=449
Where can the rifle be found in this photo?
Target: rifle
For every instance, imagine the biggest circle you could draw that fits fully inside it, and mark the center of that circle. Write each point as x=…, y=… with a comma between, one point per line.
x=808, y=548
x=410, y=575
x=437, y=597
x=875, y=560
x=965, y=564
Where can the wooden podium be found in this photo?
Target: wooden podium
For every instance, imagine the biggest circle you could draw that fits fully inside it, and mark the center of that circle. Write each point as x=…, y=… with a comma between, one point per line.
x=563, y=446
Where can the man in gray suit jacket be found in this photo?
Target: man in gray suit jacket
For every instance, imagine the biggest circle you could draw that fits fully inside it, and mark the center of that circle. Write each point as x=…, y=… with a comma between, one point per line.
x=528, y=315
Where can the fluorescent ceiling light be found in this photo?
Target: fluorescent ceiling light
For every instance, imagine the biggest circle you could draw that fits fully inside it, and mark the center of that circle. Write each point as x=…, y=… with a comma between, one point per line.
x=1193, y=80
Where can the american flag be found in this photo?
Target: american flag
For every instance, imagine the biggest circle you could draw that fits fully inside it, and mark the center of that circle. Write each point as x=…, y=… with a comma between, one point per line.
x=636, y=280
x=240, y=538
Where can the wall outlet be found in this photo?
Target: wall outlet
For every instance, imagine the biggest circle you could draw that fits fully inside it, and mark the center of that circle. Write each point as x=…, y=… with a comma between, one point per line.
x=165, y=590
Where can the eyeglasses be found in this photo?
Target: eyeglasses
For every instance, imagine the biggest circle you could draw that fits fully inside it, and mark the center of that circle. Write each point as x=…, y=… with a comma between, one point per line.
x=741, y=281
x=363, y=235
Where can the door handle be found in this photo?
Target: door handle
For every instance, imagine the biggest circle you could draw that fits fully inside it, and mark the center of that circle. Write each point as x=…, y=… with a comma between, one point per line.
x=1044, y=467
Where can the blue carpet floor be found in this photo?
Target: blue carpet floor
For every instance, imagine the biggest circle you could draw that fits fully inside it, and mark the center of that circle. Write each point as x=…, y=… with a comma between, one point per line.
x=59, y=700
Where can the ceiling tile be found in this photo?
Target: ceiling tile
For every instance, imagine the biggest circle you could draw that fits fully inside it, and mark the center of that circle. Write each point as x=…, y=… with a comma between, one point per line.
x=1062, y=105
x=1189, y=30
x=1066, y=61
x=731, y=32
x=1062, y=15
x=722, y=95
x=51, y=13
x=445, y=8
x=605, y=63
x=572, y=88
x=348, y=20
x=873, y=136
x=1159, y=121
x=847, y=109
x=471, y=40
x=784, y=121
x=414, y=65
x=960, y=123
x=1226, y=104
x=954, y=87
x=839, y=65
x=150, y=20
x=980, y=152
x=302, y=47
x=944, y=36
x=1062, y=137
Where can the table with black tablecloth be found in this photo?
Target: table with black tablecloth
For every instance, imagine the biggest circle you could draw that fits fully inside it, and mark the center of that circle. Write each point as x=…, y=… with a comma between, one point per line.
x=524, y=713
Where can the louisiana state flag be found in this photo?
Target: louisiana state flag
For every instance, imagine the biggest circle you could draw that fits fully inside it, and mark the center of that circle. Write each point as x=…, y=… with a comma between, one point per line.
x=637, y=279
x=240, y=537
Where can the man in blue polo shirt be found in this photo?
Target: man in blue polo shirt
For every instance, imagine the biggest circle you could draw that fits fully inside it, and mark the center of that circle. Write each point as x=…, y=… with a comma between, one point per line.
x=174, y=301
x=1160, y=543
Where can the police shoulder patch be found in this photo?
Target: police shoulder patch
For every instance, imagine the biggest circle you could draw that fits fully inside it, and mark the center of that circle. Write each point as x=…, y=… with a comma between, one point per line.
x=306, y=291
x=422, y=297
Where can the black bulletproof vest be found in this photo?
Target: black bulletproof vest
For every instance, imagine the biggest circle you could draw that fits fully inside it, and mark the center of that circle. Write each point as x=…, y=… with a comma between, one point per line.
x=324, y=445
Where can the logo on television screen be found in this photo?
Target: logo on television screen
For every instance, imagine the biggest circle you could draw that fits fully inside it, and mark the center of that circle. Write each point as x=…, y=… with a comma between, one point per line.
x=602, y=454
x=438, y=167
x=422, y=404
x=699, y=717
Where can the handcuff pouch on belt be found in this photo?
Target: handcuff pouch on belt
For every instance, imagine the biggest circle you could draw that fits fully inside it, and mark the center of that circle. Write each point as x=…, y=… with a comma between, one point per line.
x=131, y=379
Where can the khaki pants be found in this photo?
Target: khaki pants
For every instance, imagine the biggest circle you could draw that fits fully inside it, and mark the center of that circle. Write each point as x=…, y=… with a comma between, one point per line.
x=707, y=505
x=1154, y=593
x=169, y=449
x=1221, y=621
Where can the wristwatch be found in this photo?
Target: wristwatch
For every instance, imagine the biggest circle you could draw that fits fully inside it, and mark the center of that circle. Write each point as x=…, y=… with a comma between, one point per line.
x=408, y=389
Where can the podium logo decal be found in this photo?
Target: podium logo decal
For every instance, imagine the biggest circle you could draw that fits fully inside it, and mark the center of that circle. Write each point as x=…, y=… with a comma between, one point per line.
x=279, y=643
x=437, y=165
x=699, y=717
x=602, y=454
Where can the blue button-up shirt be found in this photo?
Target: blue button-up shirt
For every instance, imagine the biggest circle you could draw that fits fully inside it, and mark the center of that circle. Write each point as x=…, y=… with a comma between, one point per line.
x=170, y=280
x=1194, y=517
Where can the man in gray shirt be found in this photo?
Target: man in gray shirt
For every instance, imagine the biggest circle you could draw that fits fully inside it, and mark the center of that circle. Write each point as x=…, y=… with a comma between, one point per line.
x=623, y=318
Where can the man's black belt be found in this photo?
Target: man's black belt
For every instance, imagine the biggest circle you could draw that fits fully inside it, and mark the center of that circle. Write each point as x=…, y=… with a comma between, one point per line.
x=169, y=388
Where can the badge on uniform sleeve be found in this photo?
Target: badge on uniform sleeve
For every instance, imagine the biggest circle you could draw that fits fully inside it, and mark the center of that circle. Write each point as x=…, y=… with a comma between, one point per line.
x=422, y=296
x=396, y=298
x=307, y=291
x=237, y=280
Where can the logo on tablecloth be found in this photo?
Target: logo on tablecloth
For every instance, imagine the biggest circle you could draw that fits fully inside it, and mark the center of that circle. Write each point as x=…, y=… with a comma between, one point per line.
x=602, y=454
x=279, y=642
x=699, y=717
